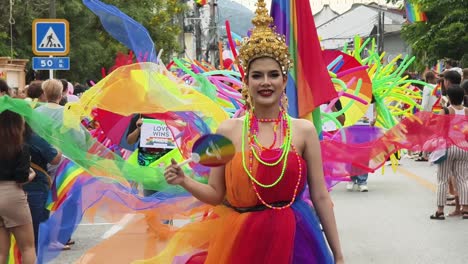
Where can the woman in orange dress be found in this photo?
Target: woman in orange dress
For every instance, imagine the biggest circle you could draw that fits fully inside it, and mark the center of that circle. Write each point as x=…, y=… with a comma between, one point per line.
x=259, y=216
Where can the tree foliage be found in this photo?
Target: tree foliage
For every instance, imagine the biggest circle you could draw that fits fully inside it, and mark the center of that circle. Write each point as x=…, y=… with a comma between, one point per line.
x=91, y=48
x=444, y=35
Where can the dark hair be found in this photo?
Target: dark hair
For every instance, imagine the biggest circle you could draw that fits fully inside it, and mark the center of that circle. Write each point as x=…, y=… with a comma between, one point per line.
x=11, y=134
x=79, y=88
x=35, y=90
x=451, y=62
x=65, y=85
x=429, y=76
x=453, y=77
x=464, y=85
x=4, y=88
x=456, y=95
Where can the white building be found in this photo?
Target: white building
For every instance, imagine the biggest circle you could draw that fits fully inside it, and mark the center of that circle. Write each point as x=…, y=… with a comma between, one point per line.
x=361, y=20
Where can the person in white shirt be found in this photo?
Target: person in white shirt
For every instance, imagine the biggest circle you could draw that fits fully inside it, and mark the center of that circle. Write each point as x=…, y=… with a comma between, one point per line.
x=428, y=100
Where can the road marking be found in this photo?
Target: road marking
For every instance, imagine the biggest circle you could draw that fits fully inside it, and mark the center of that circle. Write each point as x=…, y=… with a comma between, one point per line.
x=429, y=185
x=119, y=226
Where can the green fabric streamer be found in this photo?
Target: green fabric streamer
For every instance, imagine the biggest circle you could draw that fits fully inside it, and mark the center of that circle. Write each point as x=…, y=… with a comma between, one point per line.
x=91, y=155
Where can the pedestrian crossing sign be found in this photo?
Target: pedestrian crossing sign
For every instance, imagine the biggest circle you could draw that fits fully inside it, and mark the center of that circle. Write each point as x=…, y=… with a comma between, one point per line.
x=50, y=37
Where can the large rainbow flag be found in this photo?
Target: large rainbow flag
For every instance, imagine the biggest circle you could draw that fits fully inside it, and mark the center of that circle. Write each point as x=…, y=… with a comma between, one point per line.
x=414, y=13
x=309, y=83
x=68, y=173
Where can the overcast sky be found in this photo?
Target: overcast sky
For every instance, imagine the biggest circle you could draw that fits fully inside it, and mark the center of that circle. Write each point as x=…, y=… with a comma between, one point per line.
x=337, y=5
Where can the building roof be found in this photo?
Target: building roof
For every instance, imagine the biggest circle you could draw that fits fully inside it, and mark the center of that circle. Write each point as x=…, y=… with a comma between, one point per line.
x=359, y=20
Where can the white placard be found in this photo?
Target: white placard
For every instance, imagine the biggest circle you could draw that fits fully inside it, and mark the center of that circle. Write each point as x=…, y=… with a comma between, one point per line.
x=156, y=134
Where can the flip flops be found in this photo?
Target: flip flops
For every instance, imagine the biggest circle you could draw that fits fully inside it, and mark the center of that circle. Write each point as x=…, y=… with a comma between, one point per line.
x=438, y=216
x=464, y=214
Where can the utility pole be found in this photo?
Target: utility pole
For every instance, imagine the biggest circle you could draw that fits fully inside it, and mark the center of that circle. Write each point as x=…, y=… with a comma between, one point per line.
x=212, y=53
x=380, y=31
x=52, y=13
x=181, y=39
x=198, y=33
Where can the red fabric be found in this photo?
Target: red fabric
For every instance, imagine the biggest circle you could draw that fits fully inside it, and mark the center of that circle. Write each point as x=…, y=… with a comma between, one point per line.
x=284, y=190
x=314, y=85
x=274, y=244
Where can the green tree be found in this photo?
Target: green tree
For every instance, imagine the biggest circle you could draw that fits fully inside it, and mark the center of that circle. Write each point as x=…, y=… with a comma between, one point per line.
x=91, y=48
x=444, y=35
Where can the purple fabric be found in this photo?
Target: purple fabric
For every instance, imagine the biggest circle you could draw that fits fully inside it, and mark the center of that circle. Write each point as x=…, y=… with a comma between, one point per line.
x=309, y=242
x=280, y=10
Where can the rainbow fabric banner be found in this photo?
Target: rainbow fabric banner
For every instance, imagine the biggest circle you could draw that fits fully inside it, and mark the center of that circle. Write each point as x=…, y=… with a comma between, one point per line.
x=14, y=255
x=414, y=13
x=309, y=83
x=67, y=174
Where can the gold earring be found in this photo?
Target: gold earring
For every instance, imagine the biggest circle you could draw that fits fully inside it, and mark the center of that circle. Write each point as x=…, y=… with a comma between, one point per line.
x=284, y=101
x=246, y=96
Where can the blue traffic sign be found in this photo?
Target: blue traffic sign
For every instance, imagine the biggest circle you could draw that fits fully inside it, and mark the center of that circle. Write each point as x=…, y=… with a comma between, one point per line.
x=52, y=63
x=50, y=37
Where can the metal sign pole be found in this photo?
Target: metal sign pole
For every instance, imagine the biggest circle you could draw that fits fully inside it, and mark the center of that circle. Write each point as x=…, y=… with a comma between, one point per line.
x=51, y=72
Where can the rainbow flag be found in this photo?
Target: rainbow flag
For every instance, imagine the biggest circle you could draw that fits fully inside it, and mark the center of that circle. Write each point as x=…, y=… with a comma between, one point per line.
x=201, y=2
x=14, y=255
x=67, y=175
x=414, y=13
x=439, y=67
x=309, y=83
x=437, y=91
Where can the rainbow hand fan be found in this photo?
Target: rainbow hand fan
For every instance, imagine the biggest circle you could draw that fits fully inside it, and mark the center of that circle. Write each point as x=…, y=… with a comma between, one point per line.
x=211, y=150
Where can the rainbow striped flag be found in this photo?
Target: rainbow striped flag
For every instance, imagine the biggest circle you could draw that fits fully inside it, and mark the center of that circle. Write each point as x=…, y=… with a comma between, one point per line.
x=439, y=67
x=14, y=255
x=437, y=91
x=309, y=83
x=201, y=2
x=67, y=175
x=414, y=13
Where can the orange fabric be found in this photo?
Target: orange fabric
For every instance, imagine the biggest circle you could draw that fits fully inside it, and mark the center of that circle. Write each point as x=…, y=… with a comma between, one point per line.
x=227, y=236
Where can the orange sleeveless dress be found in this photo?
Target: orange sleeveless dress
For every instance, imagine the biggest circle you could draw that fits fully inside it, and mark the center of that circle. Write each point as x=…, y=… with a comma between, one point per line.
x=261, y=235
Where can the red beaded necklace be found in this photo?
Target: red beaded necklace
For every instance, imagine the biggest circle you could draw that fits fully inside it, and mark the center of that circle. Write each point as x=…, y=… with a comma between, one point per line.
x=254, y=130
x=293, y=199
x=252, y=136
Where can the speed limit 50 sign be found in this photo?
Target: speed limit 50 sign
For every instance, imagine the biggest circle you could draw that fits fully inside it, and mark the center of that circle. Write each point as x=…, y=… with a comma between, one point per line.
x=51, y=63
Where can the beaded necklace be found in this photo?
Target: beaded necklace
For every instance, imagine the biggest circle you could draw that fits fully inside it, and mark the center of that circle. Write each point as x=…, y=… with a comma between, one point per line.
x=284, y=151
x=250, y=121
x=254, y=129
x=293, y=199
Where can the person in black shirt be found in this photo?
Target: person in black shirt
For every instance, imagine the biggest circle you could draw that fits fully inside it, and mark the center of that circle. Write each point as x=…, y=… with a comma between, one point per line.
x=15, y=216
x=42, y=153
x=146, y=156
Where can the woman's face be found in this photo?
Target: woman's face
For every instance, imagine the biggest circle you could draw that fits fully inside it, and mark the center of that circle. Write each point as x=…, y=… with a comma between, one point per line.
x=21, y=93
x=266, y=82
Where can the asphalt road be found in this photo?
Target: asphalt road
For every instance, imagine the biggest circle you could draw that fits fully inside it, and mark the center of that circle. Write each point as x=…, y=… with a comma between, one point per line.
x=388, y=224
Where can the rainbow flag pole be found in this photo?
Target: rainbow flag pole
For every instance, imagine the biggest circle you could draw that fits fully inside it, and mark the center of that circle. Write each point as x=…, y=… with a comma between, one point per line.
x=414, y=13
x=309, y=83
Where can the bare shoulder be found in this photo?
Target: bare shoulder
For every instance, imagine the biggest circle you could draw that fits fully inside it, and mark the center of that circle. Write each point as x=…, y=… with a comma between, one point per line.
x=229, y=126
x=303, y=125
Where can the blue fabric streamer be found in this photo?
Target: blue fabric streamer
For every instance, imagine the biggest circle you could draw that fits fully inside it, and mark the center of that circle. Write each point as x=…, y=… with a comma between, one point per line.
x=124, y=29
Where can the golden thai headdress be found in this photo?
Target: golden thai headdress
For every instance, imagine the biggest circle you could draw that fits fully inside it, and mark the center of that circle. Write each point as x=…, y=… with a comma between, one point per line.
x=264, y=42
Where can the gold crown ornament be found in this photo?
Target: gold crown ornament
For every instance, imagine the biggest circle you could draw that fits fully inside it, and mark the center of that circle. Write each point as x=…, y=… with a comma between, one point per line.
x=264, y=42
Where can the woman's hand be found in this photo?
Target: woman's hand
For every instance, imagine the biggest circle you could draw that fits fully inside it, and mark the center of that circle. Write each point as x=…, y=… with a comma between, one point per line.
x=32, y=175
x=174, y=174
x=139, y=122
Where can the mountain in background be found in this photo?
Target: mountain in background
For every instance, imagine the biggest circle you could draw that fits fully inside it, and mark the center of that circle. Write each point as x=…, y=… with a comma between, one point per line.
x=238, y=15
